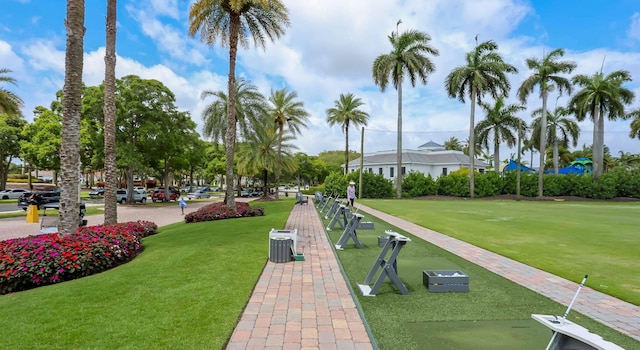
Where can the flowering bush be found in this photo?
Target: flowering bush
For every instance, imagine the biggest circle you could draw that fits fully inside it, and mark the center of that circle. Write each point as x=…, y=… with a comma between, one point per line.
x=34, y=261
x=219, y=210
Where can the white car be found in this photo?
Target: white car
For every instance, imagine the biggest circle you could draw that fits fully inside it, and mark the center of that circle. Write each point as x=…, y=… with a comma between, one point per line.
x=138, y=196
x=198, y=194
x=12, y=194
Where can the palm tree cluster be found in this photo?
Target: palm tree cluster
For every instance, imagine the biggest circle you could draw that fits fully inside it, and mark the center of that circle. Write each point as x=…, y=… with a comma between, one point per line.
x=485, y=73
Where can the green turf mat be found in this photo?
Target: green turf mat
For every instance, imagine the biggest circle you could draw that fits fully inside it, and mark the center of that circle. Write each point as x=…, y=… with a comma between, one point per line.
x=480, y=335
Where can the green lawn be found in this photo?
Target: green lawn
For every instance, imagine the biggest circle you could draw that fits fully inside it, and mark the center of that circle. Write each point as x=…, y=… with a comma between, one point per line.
x=567, y=239
x=495, y=314
x=185, y=291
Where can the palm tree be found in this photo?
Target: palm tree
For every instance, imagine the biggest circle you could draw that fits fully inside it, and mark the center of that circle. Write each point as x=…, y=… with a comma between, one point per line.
x=234, y=22
x=260, y=154
x=599, y=95
x=71, y=108
x=346, y=112
x=544, y=75
x=500, y=125
x=453, y=144
x=407, y=57
x=250, y=106
x=10, y=103
x=109, y=111
x=484, y=72
x=285, y=110
x=561, y=129
x=635, y=124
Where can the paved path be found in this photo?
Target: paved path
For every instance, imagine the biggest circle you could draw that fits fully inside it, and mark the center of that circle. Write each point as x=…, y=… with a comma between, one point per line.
x=612, y=312
x=302, y=304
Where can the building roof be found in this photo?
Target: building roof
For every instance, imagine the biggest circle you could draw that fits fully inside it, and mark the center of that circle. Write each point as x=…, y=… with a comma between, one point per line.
x=431, y=145
x=417, y=157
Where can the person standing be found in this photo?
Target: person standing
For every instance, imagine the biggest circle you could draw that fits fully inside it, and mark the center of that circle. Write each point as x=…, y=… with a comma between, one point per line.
x=183, y=204
x=351, y=193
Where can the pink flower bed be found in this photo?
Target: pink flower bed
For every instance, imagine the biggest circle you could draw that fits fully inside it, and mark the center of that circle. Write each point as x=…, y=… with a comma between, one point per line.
x=39, y=260
x=219, y=211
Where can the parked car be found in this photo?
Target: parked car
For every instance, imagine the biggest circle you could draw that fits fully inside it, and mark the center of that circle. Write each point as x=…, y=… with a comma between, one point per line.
x=138, y=196
x=97, y=193
x=205, y=189
x=12, y=194
x=158, y=195
x=198, y=194
x=216, y=189
x=256, y=194
x=38, y=198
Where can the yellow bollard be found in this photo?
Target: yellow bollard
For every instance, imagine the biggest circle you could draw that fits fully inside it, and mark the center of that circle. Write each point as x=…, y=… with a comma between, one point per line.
x=32, y=214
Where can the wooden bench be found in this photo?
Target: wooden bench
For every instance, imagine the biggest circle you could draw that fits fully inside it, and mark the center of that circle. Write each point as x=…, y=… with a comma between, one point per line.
x=300, y=199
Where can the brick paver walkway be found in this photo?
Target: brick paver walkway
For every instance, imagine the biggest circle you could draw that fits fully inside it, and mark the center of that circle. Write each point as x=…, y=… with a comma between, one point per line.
x=302, y=304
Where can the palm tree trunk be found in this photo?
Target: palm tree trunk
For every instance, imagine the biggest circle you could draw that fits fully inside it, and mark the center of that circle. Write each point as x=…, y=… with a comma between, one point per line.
x=230, y=137
x=71, y=107
x=279, y=159
x=600, y=148
x=265, y=179
x=346, y=148
x=496, y=153
x=594, y=144
x=111, y=181
x=555, y=155
x=399, y=142
x=472, y=143
x=543, y=142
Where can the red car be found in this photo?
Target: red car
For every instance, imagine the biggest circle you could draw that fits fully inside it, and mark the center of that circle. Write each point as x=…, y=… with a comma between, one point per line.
x=158, y=194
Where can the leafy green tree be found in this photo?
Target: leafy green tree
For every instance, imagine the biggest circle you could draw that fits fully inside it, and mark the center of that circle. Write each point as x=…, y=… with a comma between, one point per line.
x=333, y=160
x=408, y=57
x=42, y=141
x=285, y=110
x=500, y=125
x=561, y=129
x=346, y=111
x=10, y=103
x=453, y=144
x=234, y=22
x=250, y=105
x=601, y=95
x=11, y=127
x=484, y=72
x=544, y=75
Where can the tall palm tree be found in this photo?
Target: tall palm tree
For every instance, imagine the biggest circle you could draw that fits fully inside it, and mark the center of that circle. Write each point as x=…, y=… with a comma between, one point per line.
x=500, y=125
x=250, y=106
x=71, y=108
x=109, y=110
x=234, y=22
x=260, y=154
x=484, y=72
x=561, y=129
x=346, y=112
x=285, y=110
x=453, y=144
x=408, y=57
x=601, y=95
x=545, y=76
x=10, y=103
x=635, y=124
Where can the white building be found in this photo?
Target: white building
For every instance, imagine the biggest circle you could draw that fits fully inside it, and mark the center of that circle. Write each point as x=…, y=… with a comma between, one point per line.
x=429, y=159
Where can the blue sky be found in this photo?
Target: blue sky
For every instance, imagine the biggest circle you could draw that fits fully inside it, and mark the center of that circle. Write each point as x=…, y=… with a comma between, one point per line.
x=328, y=50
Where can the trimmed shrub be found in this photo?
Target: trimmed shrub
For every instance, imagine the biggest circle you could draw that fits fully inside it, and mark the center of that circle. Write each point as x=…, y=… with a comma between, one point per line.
x=418, y=185
x=455, y=184
x=488, y=184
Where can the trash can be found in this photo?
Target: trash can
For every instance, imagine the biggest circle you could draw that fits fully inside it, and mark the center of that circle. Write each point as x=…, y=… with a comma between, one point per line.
x=280, y=249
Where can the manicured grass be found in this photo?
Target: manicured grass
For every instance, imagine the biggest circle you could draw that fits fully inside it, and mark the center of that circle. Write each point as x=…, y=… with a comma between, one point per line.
x=496, y=311
x=567, y=239
x=185, y=291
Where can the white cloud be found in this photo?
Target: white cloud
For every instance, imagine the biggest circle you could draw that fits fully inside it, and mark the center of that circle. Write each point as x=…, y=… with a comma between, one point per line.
x=634, y=29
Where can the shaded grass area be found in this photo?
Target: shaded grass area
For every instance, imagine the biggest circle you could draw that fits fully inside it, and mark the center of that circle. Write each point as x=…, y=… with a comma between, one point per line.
x=567, y=239
x=409, y=322
x=185, y=291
